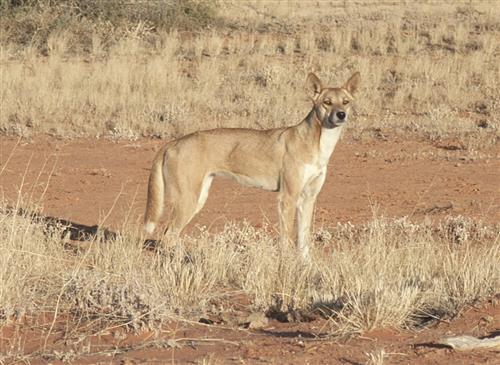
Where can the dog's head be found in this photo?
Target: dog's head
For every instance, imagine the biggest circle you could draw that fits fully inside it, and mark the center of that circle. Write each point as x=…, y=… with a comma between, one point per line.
x=332, y=104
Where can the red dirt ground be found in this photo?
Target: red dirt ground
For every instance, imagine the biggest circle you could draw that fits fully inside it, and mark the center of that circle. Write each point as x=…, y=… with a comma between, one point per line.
x=99, y=182
x=398, y=177
x=275, y=343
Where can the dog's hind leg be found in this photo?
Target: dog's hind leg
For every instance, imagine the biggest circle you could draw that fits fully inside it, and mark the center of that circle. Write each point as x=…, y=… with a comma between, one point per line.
x=187, y=202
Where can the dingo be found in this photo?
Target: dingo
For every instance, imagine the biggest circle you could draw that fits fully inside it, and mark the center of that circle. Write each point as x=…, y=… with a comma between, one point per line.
x=289, y=160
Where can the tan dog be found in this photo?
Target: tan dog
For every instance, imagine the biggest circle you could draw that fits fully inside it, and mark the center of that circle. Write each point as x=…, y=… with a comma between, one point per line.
x=289, y=160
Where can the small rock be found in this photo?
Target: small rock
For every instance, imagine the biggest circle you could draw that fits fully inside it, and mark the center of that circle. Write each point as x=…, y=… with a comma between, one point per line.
x=205, y=320
x=463, y=343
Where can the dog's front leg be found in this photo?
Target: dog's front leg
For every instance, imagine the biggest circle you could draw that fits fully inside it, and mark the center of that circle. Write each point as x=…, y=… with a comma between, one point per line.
x=286, y=209
x=287, y=205
x=305, y=207
x=305, y=210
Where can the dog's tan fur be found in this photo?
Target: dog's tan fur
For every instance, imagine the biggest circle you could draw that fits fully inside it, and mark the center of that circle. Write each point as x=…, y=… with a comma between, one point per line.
x=289, y=160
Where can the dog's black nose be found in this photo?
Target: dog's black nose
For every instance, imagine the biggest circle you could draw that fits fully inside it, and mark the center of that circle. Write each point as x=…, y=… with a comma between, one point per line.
x=341, y=115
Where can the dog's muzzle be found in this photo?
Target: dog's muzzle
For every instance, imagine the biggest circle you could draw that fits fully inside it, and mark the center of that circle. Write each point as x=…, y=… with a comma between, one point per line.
x=337, y=118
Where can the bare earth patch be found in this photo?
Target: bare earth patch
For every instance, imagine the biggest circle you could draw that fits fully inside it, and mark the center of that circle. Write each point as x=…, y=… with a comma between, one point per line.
x=98, y=181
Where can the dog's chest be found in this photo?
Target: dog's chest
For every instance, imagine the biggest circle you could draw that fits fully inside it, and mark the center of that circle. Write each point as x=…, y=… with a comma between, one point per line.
x=327, y=142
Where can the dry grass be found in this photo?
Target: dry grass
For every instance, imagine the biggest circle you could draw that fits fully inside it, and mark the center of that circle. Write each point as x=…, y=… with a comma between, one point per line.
x=386, y=273
x=428, y=69
x=376, y=357
x=33, y=22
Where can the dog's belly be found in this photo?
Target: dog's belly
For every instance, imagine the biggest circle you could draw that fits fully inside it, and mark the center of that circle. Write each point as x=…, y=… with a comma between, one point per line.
x=263, y=182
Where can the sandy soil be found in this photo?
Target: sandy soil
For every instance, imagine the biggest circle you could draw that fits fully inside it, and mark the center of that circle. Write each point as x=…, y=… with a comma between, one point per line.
x=98, y=182
x=102, y=182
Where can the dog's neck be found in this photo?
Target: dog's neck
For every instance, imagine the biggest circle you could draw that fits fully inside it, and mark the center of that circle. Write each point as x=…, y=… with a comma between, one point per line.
x=311, y=119
x=326, y=138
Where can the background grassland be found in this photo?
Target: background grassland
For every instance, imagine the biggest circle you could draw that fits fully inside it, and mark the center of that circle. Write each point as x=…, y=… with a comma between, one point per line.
x=169, y=68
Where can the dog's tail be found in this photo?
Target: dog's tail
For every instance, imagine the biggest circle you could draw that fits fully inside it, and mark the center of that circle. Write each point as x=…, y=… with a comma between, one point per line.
x=156, y=193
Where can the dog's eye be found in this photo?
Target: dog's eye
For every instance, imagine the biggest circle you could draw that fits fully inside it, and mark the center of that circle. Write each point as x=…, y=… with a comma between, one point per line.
x=328, y=102
x=345, y=102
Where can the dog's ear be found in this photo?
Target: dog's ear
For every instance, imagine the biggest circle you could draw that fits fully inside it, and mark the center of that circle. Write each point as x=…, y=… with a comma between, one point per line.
x=352, y=85
x=314, y=85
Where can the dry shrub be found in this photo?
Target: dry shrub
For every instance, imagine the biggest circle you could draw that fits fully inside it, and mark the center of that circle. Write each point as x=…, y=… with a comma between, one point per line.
x=34, y=22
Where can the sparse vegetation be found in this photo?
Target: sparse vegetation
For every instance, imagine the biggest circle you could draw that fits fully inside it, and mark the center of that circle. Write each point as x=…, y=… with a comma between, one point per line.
x=386, y=273
x=428, y=70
